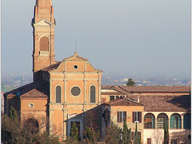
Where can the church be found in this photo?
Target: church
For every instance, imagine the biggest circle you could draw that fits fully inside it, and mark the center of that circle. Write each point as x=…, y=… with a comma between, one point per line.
x=67, y=91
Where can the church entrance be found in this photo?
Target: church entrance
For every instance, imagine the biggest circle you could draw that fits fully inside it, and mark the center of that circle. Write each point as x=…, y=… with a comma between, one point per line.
x=75, y=122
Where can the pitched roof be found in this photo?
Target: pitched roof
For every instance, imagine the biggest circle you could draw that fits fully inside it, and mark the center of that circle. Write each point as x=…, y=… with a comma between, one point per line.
x=164, y=103
x=123, y=102
x=36, y=89
x=51, y=67
x=33, y=94
x=178, y=89
x=75, y=56
x=112, y=93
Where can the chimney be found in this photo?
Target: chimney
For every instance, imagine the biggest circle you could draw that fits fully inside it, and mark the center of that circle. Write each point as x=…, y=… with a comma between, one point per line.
x=138, y=99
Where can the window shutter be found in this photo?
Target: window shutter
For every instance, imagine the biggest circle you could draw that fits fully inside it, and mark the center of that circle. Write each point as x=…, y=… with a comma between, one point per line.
x=133, y=117
x=140, y=118
x=118, y=117
x=125, y=115
x=148, y=140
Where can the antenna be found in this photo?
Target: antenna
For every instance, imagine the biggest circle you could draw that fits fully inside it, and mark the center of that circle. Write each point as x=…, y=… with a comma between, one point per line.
x=75, y=46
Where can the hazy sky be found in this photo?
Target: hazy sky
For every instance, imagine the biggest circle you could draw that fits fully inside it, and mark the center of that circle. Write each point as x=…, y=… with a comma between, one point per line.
x=115, y=35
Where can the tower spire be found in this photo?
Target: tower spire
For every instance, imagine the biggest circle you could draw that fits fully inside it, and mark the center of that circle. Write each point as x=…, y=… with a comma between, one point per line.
x=43, y=36
x=44, y=10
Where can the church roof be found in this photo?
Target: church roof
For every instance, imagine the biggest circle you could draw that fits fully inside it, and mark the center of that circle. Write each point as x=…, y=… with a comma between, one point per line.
x=75, y=56
x=38, y=89
x=51, y=67
x=123, y=102
x=166, y=103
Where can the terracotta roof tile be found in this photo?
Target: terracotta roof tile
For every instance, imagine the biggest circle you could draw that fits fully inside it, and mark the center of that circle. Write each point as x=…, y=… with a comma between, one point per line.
x=112, y=93
x=179, y=89
x=51, y=67
x=123, y=102
x=34, y=94
x=35, y=89
x=164, y=103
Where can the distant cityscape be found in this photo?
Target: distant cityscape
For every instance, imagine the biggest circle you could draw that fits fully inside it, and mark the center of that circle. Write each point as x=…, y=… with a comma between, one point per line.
x=11, y=80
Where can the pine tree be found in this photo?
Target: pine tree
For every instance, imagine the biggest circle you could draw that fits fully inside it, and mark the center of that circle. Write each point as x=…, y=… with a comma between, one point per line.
x=130, y=82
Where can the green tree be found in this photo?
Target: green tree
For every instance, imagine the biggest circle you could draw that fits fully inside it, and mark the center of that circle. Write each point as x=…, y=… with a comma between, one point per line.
x=126, y=133
x=13, y=115
x=74, y=134
x=166, y=133
x=137, y=139
x=91, y=135
x=12, y=132
x=130, y=82
x=112, y=135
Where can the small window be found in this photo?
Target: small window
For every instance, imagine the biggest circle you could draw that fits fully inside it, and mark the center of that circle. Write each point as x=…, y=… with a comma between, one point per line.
x=161, y=119
x=121, y=115
x=148, y=140
x=136, y=116
x=92, y=94
x=58, y=94
x=112, y=98
x=75, y=67
x=117, y=97
x=75, y=91
x=44, y=44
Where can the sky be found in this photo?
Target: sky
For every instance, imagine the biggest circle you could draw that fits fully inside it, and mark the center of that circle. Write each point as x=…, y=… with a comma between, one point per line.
x=117, y=36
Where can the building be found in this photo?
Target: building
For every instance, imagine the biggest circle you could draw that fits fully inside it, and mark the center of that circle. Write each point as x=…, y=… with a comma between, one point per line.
x=162, y=104
x=67, y=91
x=2, y=102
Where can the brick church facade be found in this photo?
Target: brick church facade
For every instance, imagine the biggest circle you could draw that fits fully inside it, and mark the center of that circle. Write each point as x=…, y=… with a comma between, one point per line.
x=70, y=90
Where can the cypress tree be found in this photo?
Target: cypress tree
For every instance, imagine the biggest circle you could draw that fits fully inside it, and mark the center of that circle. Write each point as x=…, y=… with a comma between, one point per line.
x=126, y=133
x=74, y=133
x=137, y=139
x=166, y=133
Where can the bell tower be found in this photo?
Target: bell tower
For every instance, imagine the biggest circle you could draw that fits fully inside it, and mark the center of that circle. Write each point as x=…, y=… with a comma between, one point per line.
x=43, y=24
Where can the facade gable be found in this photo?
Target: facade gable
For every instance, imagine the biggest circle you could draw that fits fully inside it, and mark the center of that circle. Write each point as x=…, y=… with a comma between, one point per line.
x=43, y=22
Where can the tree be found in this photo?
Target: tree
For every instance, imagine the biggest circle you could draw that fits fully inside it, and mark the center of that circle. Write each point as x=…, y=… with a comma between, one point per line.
x=166, y=133
x=91, y=135
x=126, y=133
x=112, y=135
x=13, y=132
x=74, y=134
x=130, y=82
x=137, y=139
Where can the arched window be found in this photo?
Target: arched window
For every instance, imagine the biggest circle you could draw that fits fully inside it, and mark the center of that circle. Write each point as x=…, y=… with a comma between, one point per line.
x=187, y=121
x=149, y=121
x=92, y=94
x=175, y=121
x=31, y=125
x=44, y=44
x=58, y=94
x=162, y=119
